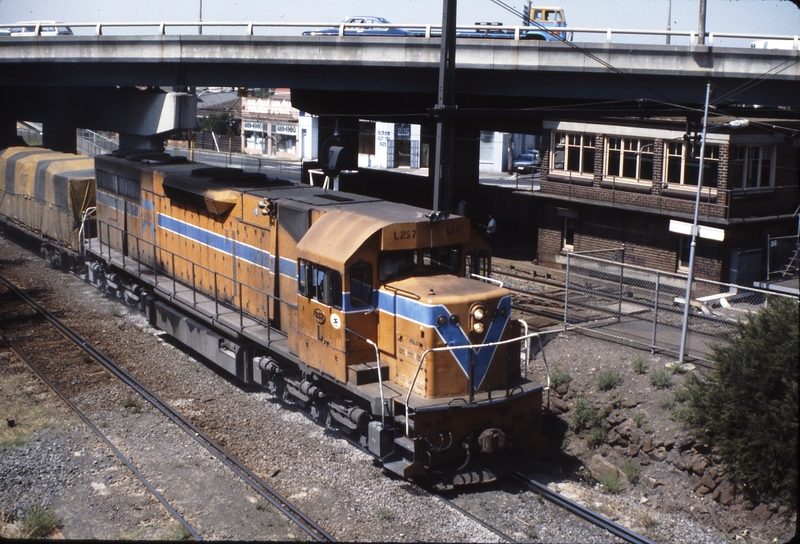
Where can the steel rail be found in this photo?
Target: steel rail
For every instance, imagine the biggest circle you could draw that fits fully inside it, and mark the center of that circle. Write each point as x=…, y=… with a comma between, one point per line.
x=261, y=487
x=476, y=519
x=581, y=511
x=100, y=434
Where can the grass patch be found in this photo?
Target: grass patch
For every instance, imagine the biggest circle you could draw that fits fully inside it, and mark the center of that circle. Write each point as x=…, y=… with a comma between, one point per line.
x=681, y=394
x=15, y=403
x=667, y=403
x=531, y=533
x=639, y=418
x=583, y=415
x=610, y=483
x=639, y=364
x=178, y=531
x=661, y=379
x=132, y=404
x=631, y=471
x=115, y=310
x=385, y=513
x=37, y=521
x=559, y=376
x=596, y=437
x=608, y=379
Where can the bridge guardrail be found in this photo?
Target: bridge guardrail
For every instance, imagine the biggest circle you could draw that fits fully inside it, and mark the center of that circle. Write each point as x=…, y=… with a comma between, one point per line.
x=99, y=29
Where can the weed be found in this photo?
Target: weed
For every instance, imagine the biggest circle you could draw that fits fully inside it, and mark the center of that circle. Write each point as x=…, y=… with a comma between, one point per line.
x=29, y=418
x=583, y=415
x=178, y=532
x=559, y=376
x=647, y=521
x=660, y=379
x=115, y=310
x=681, y=394
x=616, y=401
x=608, y=379
x=596, y=437
x=679, y=414
x=610, y=483
x=639, y=364
x=86, y=358
x=639, y=418
x=385, y=513
x=631, y=471
x=38, y=521
x=261, y=506
x=648, y=429
x=667, y=403
x=531, y=533
x=133, y=404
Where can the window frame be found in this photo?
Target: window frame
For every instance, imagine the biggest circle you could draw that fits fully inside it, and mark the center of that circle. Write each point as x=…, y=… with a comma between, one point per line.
x=711, y=164
x=636, y=149
x=567, y=233
x=580, y=145
x=745, y=167
x=319, y=283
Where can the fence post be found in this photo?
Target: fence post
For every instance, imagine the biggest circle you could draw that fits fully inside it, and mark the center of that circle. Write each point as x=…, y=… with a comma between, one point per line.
x=655, y=312
x=566, y=290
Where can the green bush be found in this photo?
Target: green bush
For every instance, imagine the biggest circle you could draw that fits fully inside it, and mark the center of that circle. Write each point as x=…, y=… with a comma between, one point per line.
x=608, y=379
x=639, y=364
x=596, y=436
x=583, y=415
x=38, y=521
x=631, y=471
x=660, y=379
x=559, y=376
x=610, y=483
x=748, y=405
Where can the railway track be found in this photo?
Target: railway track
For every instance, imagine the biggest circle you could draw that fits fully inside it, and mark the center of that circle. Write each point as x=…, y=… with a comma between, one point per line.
x=285, y=507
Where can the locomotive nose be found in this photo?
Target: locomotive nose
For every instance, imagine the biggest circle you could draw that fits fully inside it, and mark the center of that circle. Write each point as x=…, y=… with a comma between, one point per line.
x=492, y=440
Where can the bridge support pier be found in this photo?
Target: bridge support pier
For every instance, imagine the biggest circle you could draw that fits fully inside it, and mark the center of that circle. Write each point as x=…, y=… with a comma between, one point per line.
x=59, y=136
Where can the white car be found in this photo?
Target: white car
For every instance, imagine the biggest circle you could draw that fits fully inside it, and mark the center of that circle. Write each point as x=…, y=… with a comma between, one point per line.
x=39, y=28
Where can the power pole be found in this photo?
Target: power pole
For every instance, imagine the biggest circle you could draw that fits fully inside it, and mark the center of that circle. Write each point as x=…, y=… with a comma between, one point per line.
x=701, y=27
x=443, y=174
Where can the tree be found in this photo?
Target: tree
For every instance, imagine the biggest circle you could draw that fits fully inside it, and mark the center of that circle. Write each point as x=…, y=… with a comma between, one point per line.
x=219, y=123
x=747, y=406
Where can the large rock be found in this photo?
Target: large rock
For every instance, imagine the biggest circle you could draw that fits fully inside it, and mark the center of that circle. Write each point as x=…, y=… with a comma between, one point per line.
x=601, y=467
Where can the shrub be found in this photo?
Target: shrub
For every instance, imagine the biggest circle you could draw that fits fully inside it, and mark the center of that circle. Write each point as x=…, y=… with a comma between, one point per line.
x=631, y=471
x=610, y=482
x=681, y=394
x=38, y=521
x=639, y=418
x=608, y=379
x=178, y=531
x=385, y=513
x=583, y=415
x=748, y=405
x=660, y=379
x=596, y=437
x=639, y=364
x=559, y=376
x=667, y=403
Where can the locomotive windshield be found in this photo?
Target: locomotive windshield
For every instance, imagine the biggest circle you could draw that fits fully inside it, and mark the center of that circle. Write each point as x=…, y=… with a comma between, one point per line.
x=392, y=264
x=442, y=259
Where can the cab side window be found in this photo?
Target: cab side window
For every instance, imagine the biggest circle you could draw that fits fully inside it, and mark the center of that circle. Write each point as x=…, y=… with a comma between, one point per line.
x=361, y=285
x=319, y=283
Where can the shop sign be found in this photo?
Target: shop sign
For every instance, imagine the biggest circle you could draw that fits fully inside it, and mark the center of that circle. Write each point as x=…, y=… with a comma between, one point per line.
x=252, y=126
x=284, y=129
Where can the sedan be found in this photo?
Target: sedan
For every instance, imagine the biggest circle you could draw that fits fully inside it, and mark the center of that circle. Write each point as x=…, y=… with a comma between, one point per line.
x=379, y=28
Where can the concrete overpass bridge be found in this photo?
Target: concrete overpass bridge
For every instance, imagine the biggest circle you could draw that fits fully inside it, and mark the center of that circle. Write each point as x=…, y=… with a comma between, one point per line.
x=505, y=85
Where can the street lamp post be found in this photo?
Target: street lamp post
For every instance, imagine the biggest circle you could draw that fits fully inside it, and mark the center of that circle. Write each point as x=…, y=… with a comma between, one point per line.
x=687, y=297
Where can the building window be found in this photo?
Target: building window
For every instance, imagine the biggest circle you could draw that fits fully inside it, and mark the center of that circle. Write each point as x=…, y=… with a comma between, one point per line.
x=568, y=234
x=684, y=249
x=752, y=166
x=573, y=153
x=629, y=158
x=683, y=164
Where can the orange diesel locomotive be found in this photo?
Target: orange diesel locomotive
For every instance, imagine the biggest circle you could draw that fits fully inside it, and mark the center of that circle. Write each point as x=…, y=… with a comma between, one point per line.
x=364, y=312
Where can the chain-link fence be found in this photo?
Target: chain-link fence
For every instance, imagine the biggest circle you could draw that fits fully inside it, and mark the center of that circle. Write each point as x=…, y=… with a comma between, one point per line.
x=645, y=306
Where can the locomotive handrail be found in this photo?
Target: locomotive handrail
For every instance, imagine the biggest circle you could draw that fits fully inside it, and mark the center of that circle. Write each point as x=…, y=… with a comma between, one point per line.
x=173, y=276
x=484, y=278
x=380, y=378
x=466, y=346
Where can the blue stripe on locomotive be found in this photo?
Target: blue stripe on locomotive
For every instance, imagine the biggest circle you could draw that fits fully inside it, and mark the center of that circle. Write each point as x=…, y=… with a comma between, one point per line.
x=258, y=257
x=452, y=335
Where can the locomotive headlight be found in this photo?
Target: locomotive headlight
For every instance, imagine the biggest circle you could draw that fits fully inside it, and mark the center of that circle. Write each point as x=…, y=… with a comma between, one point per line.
x=479, y=314
x=441, y=321
x=477, y=327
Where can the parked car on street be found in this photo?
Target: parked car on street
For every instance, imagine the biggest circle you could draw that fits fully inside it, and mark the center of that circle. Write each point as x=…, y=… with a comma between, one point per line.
x=363, y=28
x=525, y=162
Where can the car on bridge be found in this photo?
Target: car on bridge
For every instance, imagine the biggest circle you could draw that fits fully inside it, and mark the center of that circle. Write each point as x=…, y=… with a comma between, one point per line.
x=39, y=28
x=363, y=28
